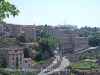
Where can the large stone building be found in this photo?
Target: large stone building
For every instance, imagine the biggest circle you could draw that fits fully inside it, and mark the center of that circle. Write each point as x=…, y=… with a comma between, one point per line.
x=70, y=42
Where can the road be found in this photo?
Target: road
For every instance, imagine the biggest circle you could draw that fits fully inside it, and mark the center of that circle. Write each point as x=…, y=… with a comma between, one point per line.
x=82, y=51
x=87, y=49
x=52, y=64
x=64, y=63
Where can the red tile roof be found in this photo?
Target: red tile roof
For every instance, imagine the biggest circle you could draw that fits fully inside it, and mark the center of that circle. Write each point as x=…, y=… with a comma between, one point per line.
x=27, y=59
x=13, y=52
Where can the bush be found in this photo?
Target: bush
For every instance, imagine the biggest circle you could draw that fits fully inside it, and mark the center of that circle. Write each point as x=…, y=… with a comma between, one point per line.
x=42, y=62
x=23, y=38
x=0, y=45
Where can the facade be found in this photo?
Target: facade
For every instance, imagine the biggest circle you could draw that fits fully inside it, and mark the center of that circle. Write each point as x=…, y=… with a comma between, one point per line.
x=27, y=63
x=98, y=59
x=31, y=31
x=15, y=60
x=3, y=28
x=13, y=30
x=80, y=43
x=70, y=42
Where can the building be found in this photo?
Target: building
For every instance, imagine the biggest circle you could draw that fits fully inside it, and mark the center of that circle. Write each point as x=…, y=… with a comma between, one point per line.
x=80, y=43
x=70, y=42
x=15, y=60
x=98, y=59
x=27, y=63
x=3, y=29
x=31, y=31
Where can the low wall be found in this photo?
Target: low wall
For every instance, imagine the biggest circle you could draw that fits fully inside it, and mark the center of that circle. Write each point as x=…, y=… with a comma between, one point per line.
x=39, y=67
x=60, y=73
x=58, y=64
x=84, y=73
x=9, y=44
x=73, y=58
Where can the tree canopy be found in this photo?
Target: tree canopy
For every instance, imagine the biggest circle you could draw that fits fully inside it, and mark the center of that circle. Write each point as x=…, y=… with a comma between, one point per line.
x=22, y=38
x=27, y=53
x=1, y=62
x=7, y=9
x=48, y=43
x=0, y=45
x=94, y=40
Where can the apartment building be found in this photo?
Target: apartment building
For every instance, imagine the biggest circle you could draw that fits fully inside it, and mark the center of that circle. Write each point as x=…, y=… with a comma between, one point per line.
x=29, y=31
x=68, y=37
x=3, y=28
x=13, y=30
x=15, y=60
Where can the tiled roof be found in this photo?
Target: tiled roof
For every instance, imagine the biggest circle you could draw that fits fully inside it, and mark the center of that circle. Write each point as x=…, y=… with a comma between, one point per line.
x=27, y=59
x=15, y=52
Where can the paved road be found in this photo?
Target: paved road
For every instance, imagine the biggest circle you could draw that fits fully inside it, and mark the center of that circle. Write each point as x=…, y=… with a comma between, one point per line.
x=82, y=51
x=64, y=63
x=87, y=49
x=52, y=64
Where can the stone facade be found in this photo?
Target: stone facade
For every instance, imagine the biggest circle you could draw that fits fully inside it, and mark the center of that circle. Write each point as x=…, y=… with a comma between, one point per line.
x=70, y=42
x=15, y=60
x=98, y=59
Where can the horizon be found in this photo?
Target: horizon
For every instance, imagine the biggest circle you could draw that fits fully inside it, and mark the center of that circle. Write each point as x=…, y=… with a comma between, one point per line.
x=55, y=12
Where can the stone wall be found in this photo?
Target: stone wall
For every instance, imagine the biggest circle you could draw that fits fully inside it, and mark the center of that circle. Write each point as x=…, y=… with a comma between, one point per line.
x=60, y=73
x=73, y=58
x=84, y=73
x=7, y=44
x=58, y=64
x=39, y=67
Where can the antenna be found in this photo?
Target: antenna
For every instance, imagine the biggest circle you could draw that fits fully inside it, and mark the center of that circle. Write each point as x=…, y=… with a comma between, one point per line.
x=64, y=22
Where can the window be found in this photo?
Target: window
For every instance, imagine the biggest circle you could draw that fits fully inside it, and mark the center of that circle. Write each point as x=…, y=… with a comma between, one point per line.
x=20, y=62
x=13, y=58
x=13, y=63
x=20, y=58
x=16, y=58
x=62, y=44
x=20, y=68
x=28, y=65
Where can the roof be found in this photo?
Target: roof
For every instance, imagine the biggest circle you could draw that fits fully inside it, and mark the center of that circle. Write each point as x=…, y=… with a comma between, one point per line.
x=15, y=52
x=27, y=59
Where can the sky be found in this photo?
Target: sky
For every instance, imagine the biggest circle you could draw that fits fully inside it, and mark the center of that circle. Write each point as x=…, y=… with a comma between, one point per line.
x=54, y=12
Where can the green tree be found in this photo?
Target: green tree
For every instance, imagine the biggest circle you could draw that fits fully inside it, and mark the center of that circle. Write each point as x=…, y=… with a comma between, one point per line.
x=1, y=62
x=48, y=43
x=7, y=9
x=94, y=40
x=23, y=38
x=31, y=73
x=0, y=45
x=3, y=38
x=27, y=53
